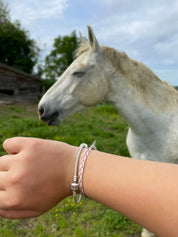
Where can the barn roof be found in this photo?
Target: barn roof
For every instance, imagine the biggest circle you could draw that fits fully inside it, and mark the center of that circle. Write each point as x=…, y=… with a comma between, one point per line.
x=19, y=72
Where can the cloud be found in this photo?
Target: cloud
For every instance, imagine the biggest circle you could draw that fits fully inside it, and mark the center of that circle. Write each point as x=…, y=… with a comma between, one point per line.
x=146, y=30
x=169, y=75
x=39, y=18
x=147, y=33
x=30, y=11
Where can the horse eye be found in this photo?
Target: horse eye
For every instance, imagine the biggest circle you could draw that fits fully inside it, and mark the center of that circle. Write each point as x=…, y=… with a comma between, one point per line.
x=78, y=74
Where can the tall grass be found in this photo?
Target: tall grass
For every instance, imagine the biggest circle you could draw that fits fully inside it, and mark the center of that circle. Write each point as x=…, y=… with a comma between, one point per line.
x=88, y=219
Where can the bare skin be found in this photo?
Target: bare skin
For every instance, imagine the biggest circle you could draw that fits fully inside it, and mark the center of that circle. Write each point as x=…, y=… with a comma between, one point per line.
x=37, y=173
x=34, y=176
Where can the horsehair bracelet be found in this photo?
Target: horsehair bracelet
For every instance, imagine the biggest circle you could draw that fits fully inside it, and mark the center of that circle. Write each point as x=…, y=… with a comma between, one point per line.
x=75, y=186
x=82, y=165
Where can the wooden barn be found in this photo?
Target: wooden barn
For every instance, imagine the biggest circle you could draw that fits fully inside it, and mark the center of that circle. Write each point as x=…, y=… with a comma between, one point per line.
x=16, y=85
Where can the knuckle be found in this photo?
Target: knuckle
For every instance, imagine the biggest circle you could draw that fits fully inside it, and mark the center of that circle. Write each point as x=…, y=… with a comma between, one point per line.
x=15, y=178
x=34, y=144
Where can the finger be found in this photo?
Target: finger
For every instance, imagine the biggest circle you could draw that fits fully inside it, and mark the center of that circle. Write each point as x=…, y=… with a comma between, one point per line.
x=14, y=145
x=10, y=202
x=5, y=162
x=3, y=180
x=11, y=214
x=3, y=200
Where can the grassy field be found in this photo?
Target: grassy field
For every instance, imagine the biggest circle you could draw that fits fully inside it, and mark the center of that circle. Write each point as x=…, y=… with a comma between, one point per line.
x=88, y=219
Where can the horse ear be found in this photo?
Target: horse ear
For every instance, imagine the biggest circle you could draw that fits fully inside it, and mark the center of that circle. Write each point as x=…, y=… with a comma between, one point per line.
x=82, y=39
x=92, y=40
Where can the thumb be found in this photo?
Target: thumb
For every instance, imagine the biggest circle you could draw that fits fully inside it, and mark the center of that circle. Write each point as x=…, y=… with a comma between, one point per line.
x=13, y=145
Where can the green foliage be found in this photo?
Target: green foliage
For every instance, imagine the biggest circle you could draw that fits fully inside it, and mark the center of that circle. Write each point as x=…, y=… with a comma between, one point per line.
x=17, y=49
x=13, y=108
x=61, y=56
x=88, y=218
x=112, y=221
x=78, y=232
x=4, y=13
x=106, y=109
x=45, y=84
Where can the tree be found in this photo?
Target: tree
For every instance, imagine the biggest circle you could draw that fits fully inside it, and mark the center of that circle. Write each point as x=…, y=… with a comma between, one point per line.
x=4, y=13
x=61, y=56
x=16, y=47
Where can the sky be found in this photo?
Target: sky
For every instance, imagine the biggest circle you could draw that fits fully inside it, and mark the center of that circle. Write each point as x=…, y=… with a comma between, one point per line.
x=146, y=30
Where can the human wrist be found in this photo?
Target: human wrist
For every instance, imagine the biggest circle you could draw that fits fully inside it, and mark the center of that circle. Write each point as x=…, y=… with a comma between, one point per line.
x=70, y=158
x=81, y=157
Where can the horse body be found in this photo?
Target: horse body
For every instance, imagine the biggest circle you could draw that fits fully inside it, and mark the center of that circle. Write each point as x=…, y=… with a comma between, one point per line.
x=156, y=142
x=149, y=106
x=153, y=124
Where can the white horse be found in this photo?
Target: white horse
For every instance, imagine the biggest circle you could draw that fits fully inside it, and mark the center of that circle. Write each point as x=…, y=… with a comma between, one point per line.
x=149, y=105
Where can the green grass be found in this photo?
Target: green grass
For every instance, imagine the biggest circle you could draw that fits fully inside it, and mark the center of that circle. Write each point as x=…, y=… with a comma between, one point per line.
x=88, y=219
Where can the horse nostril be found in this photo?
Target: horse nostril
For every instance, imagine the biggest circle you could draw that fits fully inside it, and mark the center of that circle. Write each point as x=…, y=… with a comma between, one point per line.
x=41, y=111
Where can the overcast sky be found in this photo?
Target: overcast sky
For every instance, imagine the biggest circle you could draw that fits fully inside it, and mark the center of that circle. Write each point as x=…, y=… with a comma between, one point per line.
x=146, y=30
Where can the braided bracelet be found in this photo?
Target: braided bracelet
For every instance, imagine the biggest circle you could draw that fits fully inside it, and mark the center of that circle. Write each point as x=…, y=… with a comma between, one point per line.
x=82, y=165
x=76, y=185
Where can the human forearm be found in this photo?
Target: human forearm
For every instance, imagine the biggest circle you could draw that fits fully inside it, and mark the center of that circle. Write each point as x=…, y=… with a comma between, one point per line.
x=144, y=191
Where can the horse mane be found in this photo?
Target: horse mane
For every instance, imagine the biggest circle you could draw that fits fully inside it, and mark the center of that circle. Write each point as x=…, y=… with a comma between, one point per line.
x=83, y=47
x=143, y=79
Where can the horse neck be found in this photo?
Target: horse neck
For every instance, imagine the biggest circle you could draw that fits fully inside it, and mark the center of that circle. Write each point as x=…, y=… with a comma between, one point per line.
x=140, y=96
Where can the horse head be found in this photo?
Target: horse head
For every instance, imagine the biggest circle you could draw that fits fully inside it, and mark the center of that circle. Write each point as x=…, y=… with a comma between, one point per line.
x=82, y=84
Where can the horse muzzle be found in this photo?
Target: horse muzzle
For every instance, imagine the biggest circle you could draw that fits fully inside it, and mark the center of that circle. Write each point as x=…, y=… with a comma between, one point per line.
x=49, y=117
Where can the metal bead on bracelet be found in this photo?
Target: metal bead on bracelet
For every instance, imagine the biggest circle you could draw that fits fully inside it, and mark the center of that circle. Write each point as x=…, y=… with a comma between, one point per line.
x=76, y=185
